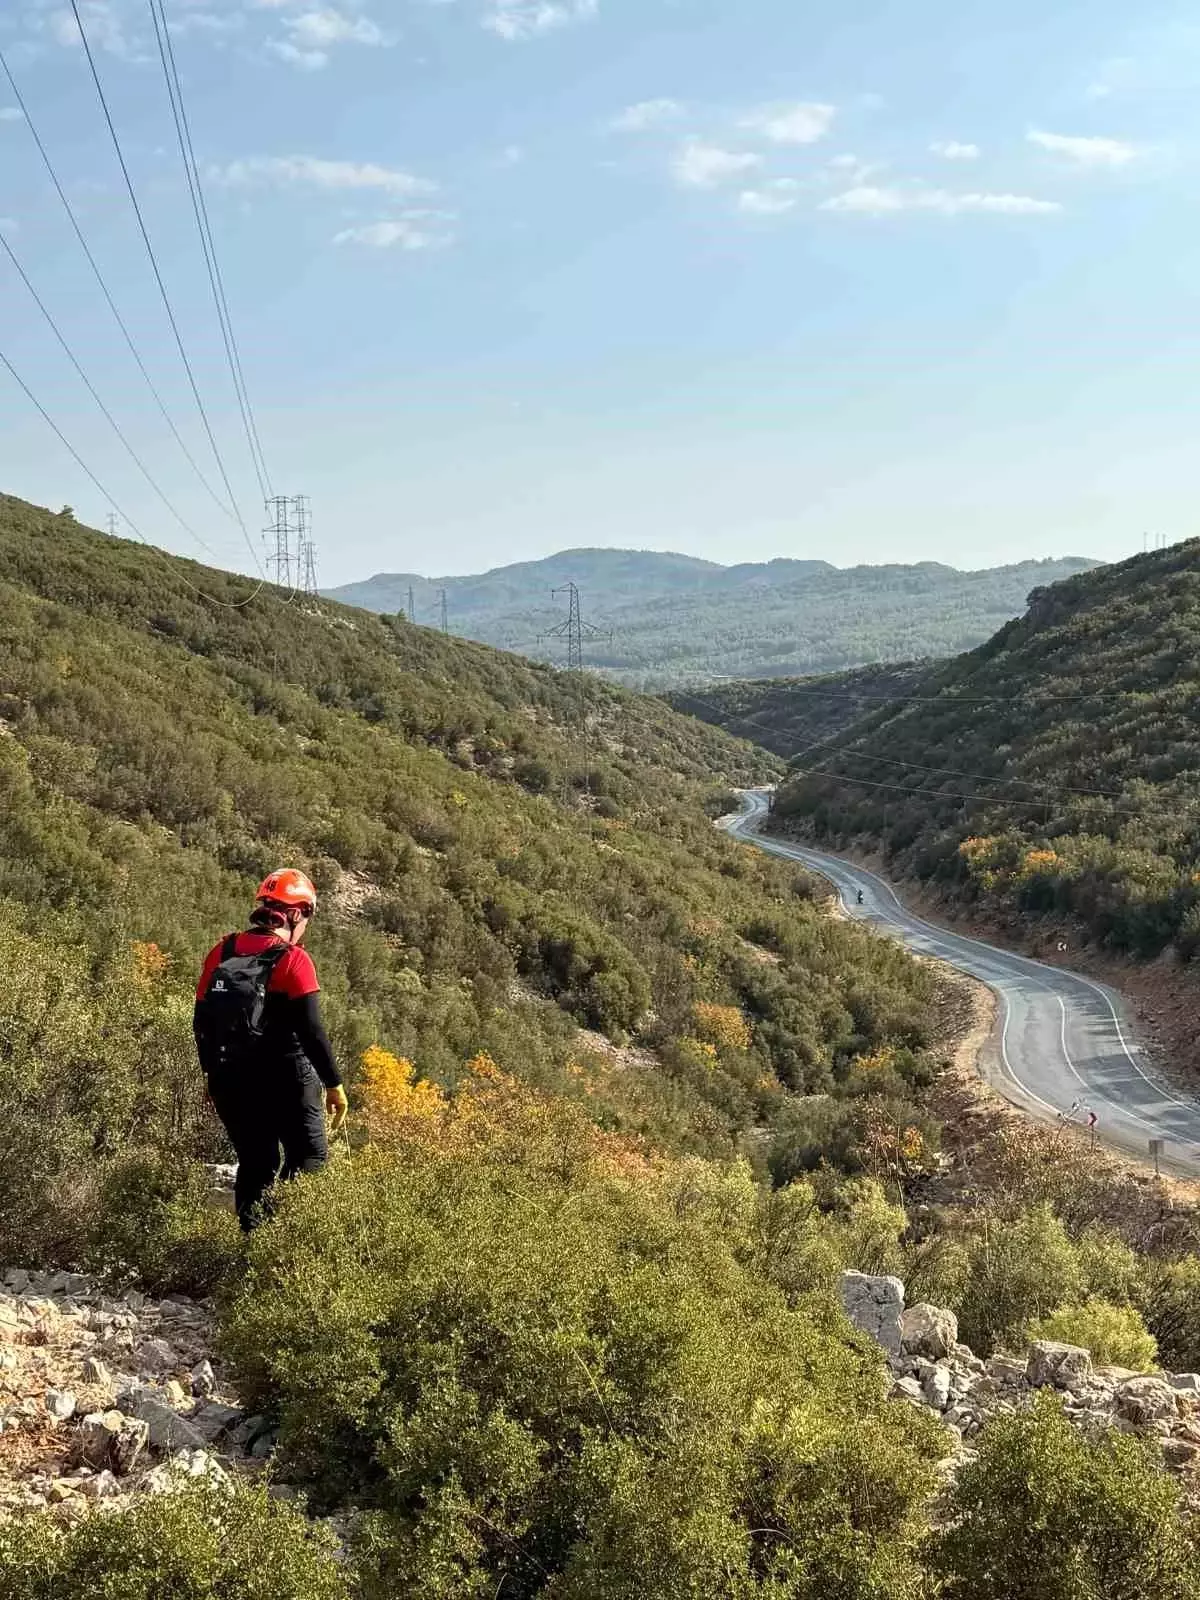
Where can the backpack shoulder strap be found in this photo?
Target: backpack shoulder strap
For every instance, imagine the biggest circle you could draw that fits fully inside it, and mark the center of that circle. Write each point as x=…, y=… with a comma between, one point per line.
x=229, y=947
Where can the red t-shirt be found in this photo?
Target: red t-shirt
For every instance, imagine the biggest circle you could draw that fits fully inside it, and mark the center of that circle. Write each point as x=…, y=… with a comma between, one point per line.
x=294, y=975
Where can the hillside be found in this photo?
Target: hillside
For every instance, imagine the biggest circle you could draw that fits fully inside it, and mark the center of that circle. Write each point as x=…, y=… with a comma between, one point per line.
x=1055, y=769
x=507, y=852
x=788, y=715
x=564, y=1319
x=677, y=621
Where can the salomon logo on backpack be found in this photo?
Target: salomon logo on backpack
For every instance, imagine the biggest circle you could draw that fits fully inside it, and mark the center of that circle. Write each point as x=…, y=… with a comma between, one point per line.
x=230, y=1014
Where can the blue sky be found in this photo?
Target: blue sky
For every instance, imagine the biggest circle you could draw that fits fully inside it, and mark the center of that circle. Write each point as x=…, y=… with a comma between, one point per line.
x=743, y=278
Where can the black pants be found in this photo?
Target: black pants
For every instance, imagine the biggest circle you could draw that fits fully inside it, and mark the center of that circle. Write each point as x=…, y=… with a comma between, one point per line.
x=275, y=1119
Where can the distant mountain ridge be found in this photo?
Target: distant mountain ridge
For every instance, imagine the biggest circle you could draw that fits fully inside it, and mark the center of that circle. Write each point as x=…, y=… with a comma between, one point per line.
x=678, y=620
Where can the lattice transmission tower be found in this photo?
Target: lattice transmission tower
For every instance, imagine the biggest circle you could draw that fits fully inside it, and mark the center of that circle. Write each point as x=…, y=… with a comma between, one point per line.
x=306, y=548
x=291, y=551
x=278, y=534
x=574, y=630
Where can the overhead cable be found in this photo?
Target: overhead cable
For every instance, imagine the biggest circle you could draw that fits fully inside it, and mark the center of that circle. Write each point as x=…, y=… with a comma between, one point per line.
x=864, y=755
x=158, y=277
x=230, y=605
x=105, y=291
x=950, y=794
x=183, y=133
x=91, y=389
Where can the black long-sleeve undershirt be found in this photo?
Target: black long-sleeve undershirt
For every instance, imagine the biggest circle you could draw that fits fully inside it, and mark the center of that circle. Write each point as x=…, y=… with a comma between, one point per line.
x=304, y=1017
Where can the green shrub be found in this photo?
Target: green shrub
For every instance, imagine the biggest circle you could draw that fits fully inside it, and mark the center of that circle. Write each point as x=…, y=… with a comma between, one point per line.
x=195, y=1545
x=156, y=1224
x=1047, y=1514
x=1109, y=1268
x=1170, y=1304
x=96, y=1056
x=545, y=1381
x=1018, y=1271
x=1115, y=1335
x=866, y=1228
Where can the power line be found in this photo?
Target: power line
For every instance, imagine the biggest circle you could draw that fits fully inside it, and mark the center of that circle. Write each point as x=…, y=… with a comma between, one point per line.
x=158, y=278
x=974, y=777
x=949, y=794
x=104, y=289
x=230, y=605
x=91, y=389
x=860, y=755
x=947, y=699
x=183, y=132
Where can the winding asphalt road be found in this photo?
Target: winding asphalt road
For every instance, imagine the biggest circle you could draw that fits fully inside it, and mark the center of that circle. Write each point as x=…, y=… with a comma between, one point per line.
x=1062, y=1045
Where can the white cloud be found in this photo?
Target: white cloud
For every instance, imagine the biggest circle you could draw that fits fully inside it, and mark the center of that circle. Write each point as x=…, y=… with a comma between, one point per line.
x=11, y=114
x=647, y=114
x=1085, y=151
x=850, y=169
x=320, y=174
x=413, y=230
x=306, y=60
x=953, y=150
x=217, y=25
x=805, y=123
x=318, y=29
x=525, y=19
x=102, y=23
x=772, y=199
x=871, y=201
x=697, y=165
x=312, y=31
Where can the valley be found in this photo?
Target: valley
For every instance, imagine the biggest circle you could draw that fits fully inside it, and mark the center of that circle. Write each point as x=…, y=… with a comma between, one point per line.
x=633, y=1118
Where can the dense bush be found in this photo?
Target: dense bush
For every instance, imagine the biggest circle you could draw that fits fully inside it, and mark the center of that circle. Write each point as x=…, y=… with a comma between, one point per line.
x=1018, y=1270
x=543, y=1373
x=194, y=1545
x=1115, y=1334
x=1047, y=1514
x=1170, y=1303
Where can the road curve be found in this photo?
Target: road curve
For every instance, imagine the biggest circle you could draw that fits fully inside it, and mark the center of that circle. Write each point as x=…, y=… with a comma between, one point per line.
x=1062, y=1045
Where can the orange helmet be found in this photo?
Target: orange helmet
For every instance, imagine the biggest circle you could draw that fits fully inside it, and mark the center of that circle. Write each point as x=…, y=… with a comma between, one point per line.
x=289, y=888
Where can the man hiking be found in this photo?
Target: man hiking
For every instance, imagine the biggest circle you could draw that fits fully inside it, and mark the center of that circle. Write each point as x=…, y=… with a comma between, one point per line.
x=265, y=1053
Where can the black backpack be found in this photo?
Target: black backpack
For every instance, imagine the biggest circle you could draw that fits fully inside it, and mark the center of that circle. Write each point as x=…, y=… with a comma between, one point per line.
x=230, y=1014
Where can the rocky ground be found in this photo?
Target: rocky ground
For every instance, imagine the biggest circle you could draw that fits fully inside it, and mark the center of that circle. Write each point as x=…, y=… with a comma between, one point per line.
x=931, y=1369
x=103, y=1397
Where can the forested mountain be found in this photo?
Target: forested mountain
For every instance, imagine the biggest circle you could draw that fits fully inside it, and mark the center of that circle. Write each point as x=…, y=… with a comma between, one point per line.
x=677, y=621
x=788, y=715
x=1057, y=768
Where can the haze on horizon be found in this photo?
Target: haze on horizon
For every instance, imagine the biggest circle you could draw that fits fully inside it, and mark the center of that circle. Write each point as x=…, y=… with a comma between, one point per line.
x=433, y=575
x=734, y=281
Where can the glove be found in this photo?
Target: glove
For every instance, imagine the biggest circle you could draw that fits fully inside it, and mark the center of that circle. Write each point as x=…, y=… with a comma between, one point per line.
x=337, y=1107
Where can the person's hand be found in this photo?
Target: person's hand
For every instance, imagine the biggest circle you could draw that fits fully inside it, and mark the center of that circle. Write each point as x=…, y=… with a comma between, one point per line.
x=337, y=1107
